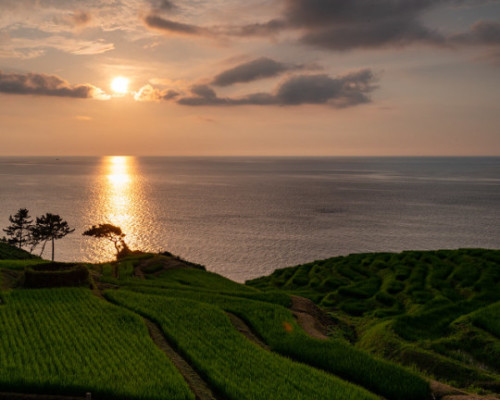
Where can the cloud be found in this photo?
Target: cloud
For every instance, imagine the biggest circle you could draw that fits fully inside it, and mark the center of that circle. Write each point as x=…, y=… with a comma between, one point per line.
x=46, y=85
x=342, y=25
x=149, y=93
x=344, y=91
x=481, y=33
x=392, y=33
x=167, y=25
x=250, y=71
x=30, y=48
x=332, y=24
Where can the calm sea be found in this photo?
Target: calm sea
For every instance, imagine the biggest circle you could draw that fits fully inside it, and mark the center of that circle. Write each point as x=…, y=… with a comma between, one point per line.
x=244, y=217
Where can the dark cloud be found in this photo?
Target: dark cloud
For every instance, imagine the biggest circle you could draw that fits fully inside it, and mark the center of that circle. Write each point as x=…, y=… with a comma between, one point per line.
x=204, y=91
x=170, y=94
x=376, y=34
x=250, y=71
x=314, y=13
x=167, y=25
x=332, y=24
x=344, y=91
x=44, y=85
x=481, y=33
x=343, y=25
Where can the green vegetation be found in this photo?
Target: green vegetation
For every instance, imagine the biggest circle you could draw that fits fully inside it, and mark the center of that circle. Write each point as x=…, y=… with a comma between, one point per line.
x=8, y=252
x=277, y=327
x=234, y=366
x=488, y=318
x=20, y=265
x=436, y=310
x=68, y=341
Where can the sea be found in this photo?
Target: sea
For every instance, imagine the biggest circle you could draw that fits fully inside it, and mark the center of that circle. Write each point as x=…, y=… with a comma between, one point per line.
x=243, y=217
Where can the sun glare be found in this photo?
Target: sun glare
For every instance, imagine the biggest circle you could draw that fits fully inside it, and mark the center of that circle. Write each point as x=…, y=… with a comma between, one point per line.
x=120, y=85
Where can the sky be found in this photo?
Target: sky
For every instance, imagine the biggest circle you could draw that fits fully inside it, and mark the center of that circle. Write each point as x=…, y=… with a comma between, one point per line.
x=250, y=77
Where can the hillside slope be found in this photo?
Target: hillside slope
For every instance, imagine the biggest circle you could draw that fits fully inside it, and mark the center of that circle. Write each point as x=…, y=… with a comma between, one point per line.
x=8, y=252
x=437, y=310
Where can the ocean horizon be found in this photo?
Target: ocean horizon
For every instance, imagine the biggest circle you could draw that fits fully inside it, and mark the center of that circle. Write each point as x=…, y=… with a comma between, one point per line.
x=243, y=217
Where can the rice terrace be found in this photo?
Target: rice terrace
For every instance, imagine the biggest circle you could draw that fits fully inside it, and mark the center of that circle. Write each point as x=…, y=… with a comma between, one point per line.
x=410, y=326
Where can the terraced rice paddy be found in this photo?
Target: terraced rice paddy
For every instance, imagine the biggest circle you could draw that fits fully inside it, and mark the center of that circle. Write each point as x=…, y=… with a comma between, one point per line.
x=66, y=341
x=437, y=310
x=234, y=366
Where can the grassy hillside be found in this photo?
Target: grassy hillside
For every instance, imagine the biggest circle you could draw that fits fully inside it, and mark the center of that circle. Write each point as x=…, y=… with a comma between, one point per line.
x=67, y=341
x=437, y=310
x=443, y=318
x=8, y=252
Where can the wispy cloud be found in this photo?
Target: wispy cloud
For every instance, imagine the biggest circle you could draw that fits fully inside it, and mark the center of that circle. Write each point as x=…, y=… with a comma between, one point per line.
x=30, y=48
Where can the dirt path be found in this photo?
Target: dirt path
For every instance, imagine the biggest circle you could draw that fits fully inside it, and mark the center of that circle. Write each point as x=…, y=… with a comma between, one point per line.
x=193, y=379
x=310, y=317
x=315, y=323
x=244, y=329
x=441, y=391
x=195, y=382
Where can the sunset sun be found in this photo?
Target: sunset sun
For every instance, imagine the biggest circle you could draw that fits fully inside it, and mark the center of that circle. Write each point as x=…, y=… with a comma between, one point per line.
x=120, y=85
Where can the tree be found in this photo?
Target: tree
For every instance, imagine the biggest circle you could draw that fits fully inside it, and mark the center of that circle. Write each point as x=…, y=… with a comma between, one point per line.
x=111, y=232
x=49, y=227
x=19, y=230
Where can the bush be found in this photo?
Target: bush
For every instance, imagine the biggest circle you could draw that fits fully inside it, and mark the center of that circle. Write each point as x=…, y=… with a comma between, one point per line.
x=77, y=275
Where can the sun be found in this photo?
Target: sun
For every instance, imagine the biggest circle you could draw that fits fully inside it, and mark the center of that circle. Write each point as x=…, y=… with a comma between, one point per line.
x=120, y=85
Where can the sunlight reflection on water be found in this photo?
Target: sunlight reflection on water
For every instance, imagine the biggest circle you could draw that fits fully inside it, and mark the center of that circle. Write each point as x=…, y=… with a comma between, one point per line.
x=119, y=201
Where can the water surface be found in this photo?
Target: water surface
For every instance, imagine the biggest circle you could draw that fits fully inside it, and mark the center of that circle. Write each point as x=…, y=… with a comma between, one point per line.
x=244, y=217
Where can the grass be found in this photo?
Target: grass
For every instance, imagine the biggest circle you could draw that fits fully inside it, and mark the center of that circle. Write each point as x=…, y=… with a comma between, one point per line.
x=8, y=252
x=21, y=264
x=488, y=319
x=67, y=341
x=437, y=311
x=277, y=326
x=237, y=368
x=440, y=309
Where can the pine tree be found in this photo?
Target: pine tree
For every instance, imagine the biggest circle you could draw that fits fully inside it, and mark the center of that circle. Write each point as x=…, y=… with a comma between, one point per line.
x=111, y=232
x=50, y=227
x=18, y=233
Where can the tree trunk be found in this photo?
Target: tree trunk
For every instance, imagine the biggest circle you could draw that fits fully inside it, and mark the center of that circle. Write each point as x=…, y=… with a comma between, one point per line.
x=52, y=249
x=43, y=248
